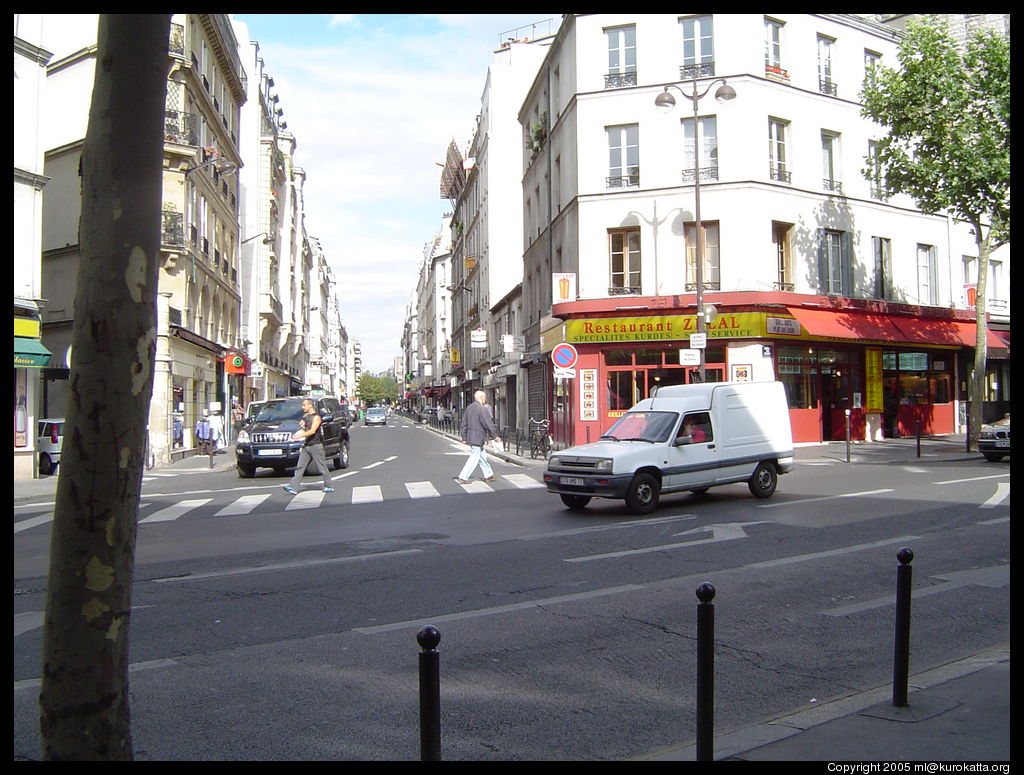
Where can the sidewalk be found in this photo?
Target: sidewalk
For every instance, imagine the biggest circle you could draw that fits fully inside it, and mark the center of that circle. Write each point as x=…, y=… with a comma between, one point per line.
x=959, y=712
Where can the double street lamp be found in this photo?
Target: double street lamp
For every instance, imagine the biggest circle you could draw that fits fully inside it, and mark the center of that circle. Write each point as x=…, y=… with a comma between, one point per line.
x=665, y=102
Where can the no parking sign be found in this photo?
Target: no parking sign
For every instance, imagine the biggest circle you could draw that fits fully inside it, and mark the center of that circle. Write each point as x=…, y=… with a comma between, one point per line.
x=564, y=356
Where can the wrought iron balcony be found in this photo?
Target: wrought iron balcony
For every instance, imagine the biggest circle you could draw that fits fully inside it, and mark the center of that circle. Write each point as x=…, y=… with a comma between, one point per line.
x=706, y=173
x=827, y=87
x=781, y=286
x=700, y=70
x=708, y=285
x=181, y=128
x=624, y=290
x=617, y=80
x=777, y=73
x=832, y=185
x=780, y=174
x=623, y=181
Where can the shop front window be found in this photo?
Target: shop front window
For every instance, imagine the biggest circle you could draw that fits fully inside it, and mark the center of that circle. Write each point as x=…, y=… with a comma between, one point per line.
x=798, y=372
x=919, y=378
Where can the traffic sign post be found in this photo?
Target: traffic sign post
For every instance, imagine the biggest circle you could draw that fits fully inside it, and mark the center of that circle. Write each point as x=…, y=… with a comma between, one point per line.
x=564, y=356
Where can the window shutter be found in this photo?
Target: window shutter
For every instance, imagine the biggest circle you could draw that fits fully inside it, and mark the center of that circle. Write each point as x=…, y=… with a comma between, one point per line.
x=846, y=256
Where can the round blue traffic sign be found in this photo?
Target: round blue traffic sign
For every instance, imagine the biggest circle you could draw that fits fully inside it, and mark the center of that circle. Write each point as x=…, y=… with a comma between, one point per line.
x=564, y=356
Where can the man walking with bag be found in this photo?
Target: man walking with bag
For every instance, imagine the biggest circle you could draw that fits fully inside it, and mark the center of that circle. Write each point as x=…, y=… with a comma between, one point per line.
x=477, y=427
x=313, y=450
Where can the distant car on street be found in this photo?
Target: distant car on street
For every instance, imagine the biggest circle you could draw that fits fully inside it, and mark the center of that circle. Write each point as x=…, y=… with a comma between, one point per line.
x=49, y=442
x=994, y=440
x=375, y=415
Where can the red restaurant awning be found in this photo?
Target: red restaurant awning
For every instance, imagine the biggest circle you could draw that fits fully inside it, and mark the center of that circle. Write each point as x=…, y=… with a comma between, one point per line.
x=889, y=328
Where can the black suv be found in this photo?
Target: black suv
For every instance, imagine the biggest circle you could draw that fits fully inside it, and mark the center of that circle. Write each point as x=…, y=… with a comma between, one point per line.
x=266, y=442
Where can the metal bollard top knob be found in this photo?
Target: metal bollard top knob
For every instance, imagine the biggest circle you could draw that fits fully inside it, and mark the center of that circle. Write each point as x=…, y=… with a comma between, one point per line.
x=905, y=556
x=705, y=592
x=428, y=637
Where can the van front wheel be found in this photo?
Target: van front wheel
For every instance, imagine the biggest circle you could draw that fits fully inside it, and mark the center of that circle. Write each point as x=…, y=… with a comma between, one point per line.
x=762, y=484
x=643, y=493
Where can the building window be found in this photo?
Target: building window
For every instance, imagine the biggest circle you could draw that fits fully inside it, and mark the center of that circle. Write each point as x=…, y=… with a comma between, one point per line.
x=825, y=83
x=698, y=47
x=624, y=257
x=783, y=255
x=830, y=162
x=708, y=149
x=883, y=267
x=621, y=57
x=834, y=269
x=874, y=172
x=872, y=61
x=773, y=50
x=623, y=156
x=927, y=275
x=710, y=266
x=777, y=130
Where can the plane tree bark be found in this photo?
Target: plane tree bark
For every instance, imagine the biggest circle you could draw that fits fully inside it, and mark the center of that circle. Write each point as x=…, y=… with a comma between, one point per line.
x=84, y=695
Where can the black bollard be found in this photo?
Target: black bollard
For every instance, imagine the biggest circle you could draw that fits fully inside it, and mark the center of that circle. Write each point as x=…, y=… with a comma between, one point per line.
x=430, y=694
x=917, y=424
x=705, y=672
x=901, y=658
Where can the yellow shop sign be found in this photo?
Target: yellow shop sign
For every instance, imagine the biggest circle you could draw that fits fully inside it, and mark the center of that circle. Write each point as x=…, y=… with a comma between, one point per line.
x=663, y=328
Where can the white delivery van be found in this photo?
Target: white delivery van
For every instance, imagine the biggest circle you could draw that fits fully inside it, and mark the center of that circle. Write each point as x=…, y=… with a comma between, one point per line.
x=684, y=437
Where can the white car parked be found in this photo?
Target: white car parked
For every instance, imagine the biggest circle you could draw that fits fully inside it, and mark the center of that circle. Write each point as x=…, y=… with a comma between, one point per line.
x=51, y=437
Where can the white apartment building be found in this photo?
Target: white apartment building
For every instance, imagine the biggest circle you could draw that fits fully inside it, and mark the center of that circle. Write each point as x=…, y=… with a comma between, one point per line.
x=198, y=299
x=427, y=336
x=856, y=303
x=487, y=238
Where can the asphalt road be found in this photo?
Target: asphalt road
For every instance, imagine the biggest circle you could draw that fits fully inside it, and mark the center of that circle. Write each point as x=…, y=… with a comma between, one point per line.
x=277, y=627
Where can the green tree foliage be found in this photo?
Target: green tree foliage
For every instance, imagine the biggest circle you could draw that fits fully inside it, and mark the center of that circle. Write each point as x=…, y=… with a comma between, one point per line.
x=377, y=390
x=947, y=115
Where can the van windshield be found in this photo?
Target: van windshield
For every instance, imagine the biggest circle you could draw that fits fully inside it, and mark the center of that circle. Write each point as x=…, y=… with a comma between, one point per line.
x=643, y=426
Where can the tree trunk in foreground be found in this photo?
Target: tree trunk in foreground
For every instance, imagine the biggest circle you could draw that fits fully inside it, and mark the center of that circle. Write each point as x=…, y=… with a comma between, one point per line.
x=84, y=695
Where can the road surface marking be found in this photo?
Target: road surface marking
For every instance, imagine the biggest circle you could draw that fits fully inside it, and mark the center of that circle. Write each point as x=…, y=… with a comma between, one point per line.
x=172, y=513
x=523, y=481
x=972, y=479
x=1002, y=493
x=285, y=566
x=422, y=490
x=306, y=499
x=994, y=577
x=242, y=505
x=831, y=553
x=823, y=498
x=367, y=494
x=723, y=532
x=502, y=609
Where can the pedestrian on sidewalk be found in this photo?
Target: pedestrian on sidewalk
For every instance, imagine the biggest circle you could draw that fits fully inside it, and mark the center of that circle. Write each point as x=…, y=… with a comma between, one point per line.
x=476, y=429
x=312, y=450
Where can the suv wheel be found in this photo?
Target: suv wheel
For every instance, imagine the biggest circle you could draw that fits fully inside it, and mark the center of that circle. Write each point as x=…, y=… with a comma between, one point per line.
x=245, y=471
x=341, y=461
x=643, y=493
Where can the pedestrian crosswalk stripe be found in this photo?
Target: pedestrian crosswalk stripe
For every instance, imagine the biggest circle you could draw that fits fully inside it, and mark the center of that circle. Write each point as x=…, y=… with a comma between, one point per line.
x=173, y=512
x=522, y=481
x=422, y=490
x=306, y=499
x=476, y=486
x=367, y=494
x=243, y=505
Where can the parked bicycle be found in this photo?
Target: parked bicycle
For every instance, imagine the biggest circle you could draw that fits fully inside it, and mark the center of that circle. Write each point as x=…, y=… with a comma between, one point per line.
x=540, y=439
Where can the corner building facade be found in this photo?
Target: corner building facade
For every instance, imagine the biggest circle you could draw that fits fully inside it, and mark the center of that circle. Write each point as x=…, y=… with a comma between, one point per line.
x=861, y=306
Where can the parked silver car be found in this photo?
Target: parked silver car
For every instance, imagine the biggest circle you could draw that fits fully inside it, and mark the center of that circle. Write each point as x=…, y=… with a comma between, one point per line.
x=994, y=440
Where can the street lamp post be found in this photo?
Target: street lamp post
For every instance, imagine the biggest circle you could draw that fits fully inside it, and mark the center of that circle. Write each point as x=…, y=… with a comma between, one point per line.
x=665, y=102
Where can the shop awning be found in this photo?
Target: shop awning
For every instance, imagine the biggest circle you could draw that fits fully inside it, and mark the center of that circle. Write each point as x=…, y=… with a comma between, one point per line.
x=948, y=332
x=847, y=325
x=889, y=328
x=30, y=354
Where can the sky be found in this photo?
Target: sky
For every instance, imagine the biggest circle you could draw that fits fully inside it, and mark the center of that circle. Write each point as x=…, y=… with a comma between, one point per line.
x=373, y=101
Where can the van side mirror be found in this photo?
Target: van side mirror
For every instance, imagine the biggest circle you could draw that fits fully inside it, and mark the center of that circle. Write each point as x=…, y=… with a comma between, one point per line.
x=682, y=441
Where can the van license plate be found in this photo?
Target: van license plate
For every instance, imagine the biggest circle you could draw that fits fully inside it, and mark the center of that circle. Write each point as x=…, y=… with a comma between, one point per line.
x=268, y=452
x=573, y=480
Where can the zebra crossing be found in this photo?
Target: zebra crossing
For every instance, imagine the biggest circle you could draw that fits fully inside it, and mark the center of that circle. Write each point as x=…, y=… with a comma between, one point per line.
x=314, y=497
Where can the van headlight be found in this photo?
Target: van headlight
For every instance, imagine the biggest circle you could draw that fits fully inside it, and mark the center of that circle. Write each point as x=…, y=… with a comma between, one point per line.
x=603, y=465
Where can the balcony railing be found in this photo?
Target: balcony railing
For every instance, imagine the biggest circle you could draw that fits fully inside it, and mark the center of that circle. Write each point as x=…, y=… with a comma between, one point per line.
x=699, y=70
x=827, y=87
x=832, y=185
x=617, y=80
x=173, y=232
x=706, y=173
x=780, y=174
x=781, y=286
x=708, y=285
x=777, y=73
x=623, y=290
x=181, y=128
x=623, y=181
